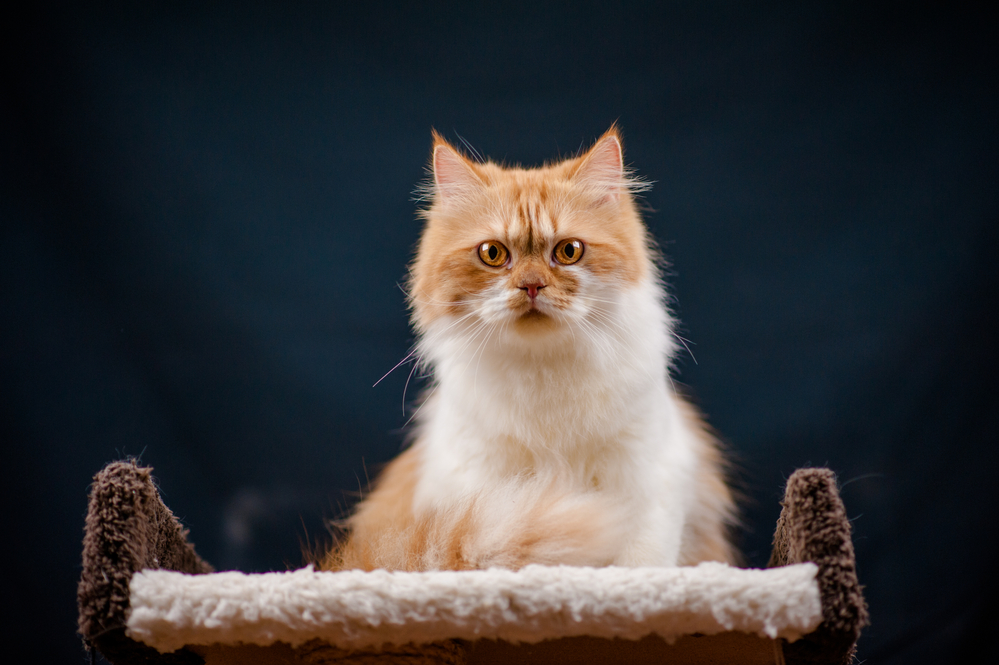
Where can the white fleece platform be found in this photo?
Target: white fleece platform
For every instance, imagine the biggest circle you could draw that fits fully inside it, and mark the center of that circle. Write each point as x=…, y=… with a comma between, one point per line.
x=356, y=609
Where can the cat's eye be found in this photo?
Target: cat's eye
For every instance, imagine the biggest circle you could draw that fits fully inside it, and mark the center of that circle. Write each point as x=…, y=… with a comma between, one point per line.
x=493, y=254
x=568, y=252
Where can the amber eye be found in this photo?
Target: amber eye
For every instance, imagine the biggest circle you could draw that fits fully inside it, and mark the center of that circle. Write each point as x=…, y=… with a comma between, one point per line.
x=568, y=252
x=493, y=253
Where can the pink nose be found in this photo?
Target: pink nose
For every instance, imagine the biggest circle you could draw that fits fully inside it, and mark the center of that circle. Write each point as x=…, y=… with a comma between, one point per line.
x=532, y=289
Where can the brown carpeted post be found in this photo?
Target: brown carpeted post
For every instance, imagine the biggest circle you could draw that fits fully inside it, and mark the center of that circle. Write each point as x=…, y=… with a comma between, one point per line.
x=127, y=530
x=813, y=526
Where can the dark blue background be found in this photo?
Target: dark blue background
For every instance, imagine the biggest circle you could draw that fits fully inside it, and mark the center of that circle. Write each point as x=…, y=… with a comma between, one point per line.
x=207, y=211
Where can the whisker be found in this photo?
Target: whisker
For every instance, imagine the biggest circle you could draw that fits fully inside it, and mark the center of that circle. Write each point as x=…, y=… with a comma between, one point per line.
x=684, y=342
x=587, y=328
x=474, y=334
x=476, y=298
x=472, y=337
x=397, y=365
x=863, y=477
x=430, y=340
x=468, y=146
x=568, y=324
x=420, y=408
x=475, y=377
x=649, y=370
x=405, y=388
x=439, y=333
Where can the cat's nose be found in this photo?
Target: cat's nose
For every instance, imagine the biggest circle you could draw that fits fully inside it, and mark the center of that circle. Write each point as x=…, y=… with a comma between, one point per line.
x=532, y=289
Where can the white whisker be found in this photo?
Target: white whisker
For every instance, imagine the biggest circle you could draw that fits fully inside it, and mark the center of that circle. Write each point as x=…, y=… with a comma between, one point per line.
x=684, y=342
x=401, y=362
x=405, y=388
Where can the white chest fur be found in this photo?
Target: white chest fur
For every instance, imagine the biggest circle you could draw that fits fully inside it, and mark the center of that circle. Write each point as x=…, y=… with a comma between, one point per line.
x=590, y=408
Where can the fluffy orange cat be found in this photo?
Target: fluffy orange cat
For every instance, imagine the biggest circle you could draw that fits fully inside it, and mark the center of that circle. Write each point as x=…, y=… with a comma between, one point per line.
x=552, y=433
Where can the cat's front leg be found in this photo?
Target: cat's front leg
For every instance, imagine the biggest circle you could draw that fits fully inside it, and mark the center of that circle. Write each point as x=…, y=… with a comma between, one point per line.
x=655, y=535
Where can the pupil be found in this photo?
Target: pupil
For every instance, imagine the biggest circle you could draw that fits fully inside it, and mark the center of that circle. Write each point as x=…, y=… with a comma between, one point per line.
x=569, y=251
x=493, y=252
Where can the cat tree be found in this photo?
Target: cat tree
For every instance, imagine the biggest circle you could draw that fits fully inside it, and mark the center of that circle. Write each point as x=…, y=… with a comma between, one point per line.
x=145, y=597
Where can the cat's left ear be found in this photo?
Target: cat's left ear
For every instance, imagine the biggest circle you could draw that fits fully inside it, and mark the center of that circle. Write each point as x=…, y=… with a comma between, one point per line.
x=602, y=167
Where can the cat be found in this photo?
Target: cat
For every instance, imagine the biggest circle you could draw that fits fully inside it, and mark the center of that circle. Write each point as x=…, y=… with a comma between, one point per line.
x=552, y=432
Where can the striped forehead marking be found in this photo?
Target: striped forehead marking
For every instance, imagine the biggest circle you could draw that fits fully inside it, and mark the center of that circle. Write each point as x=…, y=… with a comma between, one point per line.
x=531, y=227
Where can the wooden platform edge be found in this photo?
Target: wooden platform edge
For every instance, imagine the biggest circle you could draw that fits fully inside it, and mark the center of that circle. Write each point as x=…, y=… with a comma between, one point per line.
x=730, y=648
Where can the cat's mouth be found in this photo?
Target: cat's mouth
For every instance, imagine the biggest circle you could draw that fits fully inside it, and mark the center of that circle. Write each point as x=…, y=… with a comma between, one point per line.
x=532, y=309
x=534, y=321
x=533, y=315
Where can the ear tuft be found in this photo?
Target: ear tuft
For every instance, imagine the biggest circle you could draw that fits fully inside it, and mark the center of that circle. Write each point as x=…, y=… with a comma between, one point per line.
x=454, y=176
x=602, y=167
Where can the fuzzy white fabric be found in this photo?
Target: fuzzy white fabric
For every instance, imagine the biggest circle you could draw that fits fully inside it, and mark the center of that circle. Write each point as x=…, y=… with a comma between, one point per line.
x=356, y=609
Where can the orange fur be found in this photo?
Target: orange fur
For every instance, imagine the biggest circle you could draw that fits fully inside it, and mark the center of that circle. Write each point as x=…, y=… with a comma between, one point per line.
x=707, y=534
x=543, y=505
x=537, y=524
x=527, y=208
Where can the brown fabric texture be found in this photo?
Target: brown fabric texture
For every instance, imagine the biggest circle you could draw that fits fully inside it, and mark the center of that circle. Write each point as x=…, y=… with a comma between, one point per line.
x=813, y=526
x=451, y=652
x=127, y=529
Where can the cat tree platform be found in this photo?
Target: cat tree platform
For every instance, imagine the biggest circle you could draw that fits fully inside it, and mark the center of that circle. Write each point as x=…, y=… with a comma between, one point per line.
x=146, y=597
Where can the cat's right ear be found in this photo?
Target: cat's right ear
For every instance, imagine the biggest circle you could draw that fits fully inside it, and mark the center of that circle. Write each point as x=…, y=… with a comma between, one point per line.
x=454, y=177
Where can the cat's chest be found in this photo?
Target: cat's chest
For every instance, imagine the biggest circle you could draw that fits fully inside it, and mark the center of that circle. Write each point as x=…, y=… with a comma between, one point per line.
x=561, y=397
x=543, y=424
x=464, y=456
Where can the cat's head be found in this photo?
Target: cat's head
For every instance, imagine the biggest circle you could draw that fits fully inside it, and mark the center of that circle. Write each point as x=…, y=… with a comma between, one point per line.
x=532, y=251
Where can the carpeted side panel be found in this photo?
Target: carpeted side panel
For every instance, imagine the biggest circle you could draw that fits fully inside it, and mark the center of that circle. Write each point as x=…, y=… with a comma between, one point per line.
x=813, y=526
x=449, y=652
x=127, y=529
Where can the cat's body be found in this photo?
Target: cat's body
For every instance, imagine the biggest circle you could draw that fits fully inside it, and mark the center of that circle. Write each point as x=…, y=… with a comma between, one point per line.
x=553, y=433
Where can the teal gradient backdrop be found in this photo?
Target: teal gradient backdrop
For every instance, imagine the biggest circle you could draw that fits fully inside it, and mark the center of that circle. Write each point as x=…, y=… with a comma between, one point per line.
x=208, y=209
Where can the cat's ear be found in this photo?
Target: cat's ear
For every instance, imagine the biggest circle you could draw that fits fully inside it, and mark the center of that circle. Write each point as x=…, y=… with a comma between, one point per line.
x=454, y=176
x=602, y=167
